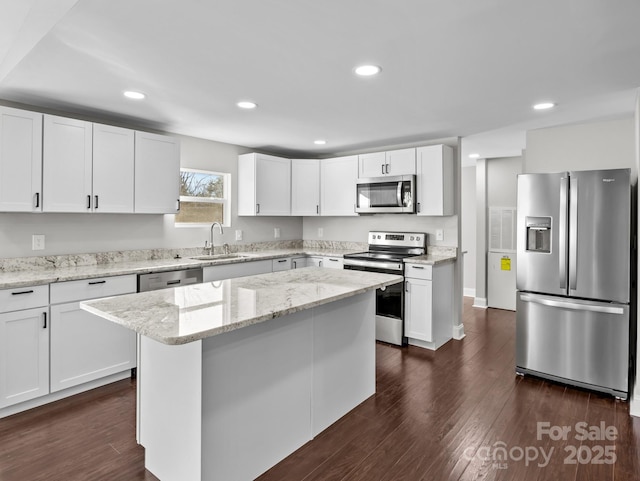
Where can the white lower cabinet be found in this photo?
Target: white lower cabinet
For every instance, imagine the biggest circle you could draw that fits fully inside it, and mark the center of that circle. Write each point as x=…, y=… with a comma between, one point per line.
x=24, y=355
x=428, y=304
x=299, y=262
x=240, y=269
x=418, y=302
x=85, y=347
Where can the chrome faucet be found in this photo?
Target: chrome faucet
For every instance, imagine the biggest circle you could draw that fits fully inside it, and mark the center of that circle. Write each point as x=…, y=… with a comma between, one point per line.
x=211, y=246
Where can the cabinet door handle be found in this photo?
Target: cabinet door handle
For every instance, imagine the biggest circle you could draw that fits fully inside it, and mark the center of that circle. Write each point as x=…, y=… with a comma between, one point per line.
x=44, y=320
x=95, y=202
x=178, y=203
x=387, y=167
x=88, y=202
x=283, y=260
x=93, y=283
x=22, y=292
x=418, y=205
x=37, y=199
x=317, y=209
x=406, y=286
x=382, y=168
x=417, y=267
x=295, y=264
x=333, y=260
x=257, y=208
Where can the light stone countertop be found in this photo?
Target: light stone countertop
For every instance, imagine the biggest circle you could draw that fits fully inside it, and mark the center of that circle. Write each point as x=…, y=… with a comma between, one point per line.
x=186, y=314
x=33, y=276
x=431, y=259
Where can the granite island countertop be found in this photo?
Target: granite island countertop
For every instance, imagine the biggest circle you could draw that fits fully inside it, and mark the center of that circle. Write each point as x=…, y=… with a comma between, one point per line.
x=189, y=313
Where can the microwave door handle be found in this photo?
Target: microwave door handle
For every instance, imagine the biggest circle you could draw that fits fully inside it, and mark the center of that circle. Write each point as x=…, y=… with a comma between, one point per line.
x=399, y=194
x=562, y=234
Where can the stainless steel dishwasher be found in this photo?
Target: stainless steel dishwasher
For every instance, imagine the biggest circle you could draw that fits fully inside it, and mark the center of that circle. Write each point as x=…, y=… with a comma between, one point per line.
x=163, y=280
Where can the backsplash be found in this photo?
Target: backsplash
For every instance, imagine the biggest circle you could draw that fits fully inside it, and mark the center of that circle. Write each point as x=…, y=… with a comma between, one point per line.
x=442, y=251
x=334, y=245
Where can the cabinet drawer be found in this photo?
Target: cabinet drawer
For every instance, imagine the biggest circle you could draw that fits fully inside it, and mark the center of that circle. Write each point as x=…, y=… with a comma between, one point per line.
x=92, y=288
x=333, y=262
x=23, y=298
x=281, y=264
x=418, y=271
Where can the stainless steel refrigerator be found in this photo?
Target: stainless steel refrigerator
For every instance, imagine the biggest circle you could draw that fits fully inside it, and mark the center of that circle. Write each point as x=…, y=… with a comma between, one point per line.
x=573, y=278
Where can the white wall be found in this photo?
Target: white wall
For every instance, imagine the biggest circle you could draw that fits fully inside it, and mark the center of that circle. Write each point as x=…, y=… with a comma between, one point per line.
x=468, y=227
x=83, y=233
x=596, y=145
x=502, y=181
x=355, y=229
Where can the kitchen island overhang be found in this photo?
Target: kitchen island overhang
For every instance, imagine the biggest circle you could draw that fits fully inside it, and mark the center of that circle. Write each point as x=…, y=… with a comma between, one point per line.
x=235, y=375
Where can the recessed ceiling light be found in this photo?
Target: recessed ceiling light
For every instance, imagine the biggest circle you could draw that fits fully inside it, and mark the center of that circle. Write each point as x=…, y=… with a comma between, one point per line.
x=367, y=70
x=544, y=106
x=474, y=156
x=245, y=104
x=320, y=142
x=131, y=94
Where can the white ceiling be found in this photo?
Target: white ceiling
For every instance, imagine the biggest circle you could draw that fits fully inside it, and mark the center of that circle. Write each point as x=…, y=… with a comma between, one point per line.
x=469, y=68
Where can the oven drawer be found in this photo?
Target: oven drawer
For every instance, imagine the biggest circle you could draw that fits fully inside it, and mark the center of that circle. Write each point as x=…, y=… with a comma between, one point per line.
x=418, y=271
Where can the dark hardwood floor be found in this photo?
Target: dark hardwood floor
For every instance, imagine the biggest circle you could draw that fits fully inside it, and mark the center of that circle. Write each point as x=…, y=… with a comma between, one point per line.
x=456, y=414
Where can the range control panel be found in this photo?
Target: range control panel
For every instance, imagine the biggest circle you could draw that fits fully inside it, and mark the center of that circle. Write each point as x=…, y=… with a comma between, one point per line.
x=397, y=239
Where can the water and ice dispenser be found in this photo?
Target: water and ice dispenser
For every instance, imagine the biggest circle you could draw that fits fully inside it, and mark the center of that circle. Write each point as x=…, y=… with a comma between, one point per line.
x=538, y=234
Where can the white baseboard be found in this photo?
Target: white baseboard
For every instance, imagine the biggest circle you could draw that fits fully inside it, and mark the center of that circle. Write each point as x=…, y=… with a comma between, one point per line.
x=469, y=292
x=634, y=408
x=458, y=332
x=480, y=302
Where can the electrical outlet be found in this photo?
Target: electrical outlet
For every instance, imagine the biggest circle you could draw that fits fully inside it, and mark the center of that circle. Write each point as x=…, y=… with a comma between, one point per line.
x=37, y=242
x=238, y=234
x=320, y=232
x=439, y=234
x=276, y=232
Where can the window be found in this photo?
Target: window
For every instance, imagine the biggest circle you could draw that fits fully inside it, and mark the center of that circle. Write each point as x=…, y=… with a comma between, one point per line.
x=204, y=198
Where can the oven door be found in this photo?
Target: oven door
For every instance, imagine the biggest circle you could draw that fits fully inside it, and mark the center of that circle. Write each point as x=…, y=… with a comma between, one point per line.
x=389, y=308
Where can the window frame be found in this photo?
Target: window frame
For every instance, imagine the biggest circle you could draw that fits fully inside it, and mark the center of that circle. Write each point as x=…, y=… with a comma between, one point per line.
x=225, y=200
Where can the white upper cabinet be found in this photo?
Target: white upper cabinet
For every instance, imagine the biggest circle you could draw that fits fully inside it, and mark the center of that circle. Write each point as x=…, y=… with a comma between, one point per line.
x=338, y=186
x=393, y=162
x=157, y=174
x=67, y=169
x=401, y=162
x=372, y=165
x=20, y=160
x=305, y=187
x=113, y=167
x=435, y=180
x=264, y=185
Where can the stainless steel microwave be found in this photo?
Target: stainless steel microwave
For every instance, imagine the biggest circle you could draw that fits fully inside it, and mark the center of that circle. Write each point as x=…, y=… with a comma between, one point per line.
x=386, y=195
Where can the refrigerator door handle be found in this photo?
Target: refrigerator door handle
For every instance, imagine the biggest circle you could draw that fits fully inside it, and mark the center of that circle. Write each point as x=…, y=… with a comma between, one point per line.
x=573, y=233
x=562, y=234
x=572, y=305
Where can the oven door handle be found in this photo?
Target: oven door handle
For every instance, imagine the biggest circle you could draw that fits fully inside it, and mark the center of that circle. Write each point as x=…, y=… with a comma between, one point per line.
x=396, y=266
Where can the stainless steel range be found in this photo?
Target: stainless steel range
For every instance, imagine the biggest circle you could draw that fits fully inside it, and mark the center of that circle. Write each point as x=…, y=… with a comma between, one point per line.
x=386, y=254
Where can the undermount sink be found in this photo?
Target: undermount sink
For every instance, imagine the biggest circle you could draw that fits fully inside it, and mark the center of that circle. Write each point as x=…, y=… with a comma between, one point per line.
x=213, y=257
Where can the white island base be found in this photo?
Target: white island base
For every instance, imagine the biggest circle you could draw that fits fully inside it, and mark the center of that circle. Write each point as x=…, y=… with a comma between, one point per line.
x=231, y=406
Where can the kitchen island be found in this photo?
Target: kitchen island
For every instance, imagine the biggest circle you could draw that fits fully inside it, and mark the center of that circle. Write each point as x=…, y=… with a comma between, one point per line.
x=235, y=375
